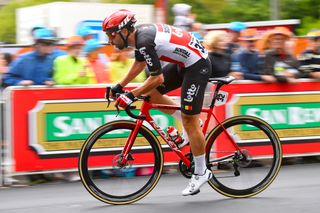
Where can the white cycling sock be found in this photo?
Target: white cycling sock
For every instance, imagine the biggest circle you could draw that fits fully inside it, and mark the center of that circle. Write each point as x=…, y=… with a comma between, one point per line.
x=199, y=164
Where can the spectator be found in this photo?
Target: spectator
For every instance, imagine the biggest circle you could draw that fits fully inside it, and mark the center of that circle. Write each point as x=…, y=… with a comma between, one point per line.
x=234, y=33
x=72, y=69
x=247, y=61
x=87, y=34
x=215, y=42
x=183, y=18
x=92, y=48
x=120, y=64
x=5, y=60
x=278, y=61
x=34, y=33
x=34, y=68
x=310, y=58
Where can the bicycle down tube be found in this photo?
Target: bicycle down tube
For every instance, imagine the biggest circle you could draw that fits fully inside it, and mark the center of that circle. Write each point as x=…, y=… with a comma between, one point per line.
x=146, y=106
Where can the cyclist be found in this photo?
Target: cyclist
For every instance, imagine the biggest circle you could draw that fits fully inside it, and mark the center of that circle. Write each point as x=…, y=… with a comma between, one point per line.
x=189, y=68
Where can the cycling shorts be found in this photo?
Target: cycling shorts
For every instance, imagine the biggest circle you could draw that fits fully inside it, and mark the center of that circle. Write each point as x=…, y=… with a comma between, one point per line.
x=192, y=80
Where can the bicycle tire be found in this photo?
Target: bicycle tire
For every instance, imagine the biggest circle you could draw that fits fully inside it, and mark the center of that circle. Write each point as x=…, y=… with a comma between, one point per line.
x=263, y=164
x=97, y=188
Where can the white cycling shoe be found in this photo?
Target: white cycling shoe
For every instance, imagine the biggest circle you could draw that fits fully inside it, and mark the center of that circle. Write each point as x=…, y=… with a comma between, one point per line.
x=196, y=182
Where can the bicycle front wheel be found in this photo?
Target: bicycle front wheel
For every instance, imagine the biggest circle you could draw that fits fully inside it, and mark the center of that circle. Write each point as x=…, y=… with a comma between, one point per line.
x=103, y=172
x=245, y=154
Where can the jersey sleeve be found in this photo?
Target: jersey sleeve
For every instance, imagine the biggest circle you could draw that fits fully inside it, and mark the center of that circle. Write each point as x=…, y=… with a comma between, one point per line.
x=145, y=52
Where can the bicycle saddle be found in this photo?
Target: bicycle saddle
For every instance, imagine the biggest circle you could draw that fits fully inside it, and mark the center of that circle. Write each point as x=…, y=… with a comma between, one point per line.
x=224, y=80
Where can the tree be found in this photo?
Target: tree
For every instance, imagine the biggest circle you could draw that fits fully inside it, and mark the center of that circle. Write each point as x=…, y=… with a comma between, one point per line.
x=207, y=11
x=308, y=11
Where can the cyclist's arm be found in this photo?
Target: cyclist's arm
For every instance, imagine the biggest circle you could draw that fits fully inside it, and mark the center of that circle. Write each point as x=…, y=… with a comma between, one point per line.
x=136, y=68
x=151, y=83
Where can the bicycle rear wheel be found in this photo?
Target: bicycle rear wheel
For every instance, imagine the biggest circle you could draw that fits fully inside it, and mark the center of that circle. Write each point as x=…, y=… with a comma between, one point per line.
x=102, y=173
x=248, y=166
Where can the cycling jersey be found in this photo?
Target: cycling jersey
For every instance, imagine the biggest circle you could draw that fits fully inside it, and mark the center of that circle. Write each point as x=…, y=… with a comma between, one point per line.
x=189, y=66
x=155, y=42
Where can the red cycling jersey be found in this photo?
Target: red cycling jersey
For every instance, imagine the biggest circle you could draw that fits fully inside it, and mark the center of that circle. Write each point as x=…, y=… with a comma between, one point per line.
x=155, y=42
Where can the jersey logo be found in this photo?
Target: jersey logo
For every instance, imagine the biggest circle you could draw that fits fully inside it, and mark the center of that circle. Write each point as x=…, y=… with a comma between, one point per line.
x=191, y=93
x=204, y=71
x=177, y=32
x=146, y=56
x=182, y=52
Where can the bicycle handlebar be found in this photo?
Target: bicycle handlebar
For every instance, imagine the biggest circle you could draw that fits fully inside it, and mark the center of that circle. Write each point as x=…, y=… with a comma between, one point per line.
x=128, y=111
x=128, y=108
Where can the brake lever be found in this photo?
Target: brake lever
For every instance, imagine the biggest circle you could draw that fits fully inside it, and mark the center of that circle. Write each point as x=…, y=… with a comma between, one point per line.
x=108, y=89
x=118, y=110
x=116, y=105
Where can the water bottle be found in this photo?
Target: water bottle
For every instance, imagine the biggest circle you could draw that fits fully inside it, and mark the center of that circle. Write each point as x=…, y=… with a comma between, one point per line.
x=174, y=135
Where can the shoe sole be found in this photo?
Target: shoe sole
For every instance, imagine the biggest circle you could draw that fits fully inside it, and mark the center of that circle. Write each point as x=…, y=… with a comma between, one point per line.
x=198, y=191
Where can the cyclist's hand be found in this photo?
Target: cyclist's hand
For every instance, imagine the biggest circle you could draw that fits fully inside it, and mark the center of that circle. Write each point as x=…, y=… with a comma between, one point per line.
x=117, y=89
x=125, y=100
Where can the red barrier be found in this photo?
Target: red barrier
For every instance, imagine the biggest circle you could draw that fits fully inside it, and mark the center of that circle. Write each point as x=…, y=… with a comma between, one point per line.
x=30, y=114
x=293, y=110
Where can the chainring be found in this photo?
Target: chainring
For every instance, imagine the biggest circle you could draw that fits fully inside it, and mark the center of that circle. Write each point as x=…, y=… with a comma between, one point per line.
x=184, y=169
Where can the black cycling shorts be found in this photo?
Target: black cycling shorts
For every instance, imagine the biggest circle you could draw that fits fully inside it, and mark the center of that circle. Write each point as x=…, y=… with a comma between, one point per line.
x=192, y=80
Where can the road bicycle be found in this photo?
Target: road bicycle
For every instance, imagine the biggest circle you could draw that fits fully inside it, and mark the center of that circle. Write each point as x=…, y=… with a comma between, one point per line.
x=243, y=152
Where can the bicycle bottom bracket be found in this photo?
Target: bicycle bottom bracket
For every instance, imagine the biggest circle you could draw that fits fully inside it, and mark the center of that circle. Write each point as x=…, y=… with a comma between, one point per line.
x=184, y=169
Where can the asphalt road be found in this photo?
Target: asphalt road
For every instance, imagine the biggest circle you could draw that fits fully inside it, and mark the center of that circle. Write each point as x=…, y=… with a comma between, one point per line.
x=296, y=190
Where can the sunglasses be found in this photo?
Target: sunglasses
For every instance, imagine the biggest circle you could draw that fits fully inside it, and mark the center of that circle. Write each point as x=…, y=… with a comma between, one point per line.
x=111, y=35
x=46, y=43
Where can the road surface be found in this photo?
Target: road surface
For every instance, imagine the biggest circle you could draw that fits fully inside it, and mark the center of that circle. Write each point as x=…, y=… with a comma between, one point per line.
x=296, y=190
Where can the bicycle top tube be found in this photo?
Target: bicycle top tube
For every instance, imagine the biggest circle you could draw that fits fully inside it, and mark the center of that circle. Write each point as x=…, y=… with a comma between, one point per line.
x=146, y=99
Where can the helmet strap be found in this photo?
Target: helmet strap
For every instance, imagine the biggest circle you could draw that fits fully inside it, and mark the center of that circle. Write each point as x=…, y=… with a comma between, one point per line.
x=125, y=40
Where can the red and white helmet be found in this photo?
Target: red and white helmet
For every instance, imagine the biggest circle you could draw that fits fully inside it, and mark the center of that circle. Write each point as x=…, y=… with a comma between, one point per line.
x=118, y=20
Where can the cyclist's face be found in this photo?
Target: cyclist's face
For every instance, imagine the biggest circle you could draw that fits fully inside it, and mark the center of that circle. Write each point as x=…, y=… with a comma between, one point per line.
x=115, y=38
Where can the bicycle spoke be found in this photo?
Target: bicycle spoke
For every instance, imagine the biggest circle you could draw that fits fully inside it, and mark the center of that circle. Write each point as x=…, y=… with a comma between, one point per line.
x=114, y=178
x=249, y=166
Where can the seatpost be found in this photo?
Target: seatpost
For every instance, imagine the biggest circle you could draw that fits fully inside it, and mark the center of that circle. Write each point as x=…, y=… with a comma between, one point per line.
x=219, y=85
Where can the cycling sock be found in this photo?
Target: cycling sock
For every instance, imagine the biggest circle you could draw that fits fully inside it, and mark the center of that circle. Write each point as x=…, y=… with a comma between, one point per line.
x=200, y=164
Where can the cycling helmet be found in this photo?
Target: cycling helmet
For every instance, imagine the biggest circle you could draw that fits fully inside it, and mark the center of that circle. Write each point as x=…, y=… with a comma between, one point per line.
x=84, y=31
x=315, y=34
x=44, y=34
x=237, y=26
x=118, y=20
x=91, y=45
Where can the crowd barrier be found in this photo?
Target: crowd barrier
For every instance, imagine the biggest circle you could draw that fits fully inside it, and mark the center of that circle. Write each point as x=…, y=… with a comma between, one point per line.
x=44, y=127
x=2, y=164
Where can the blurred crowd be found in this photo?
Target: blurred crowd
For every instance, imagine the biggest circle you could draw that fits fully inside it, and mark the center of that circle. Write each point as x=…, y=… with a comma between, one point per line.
x=80, y=60
x=245, y=53
x=249, y=54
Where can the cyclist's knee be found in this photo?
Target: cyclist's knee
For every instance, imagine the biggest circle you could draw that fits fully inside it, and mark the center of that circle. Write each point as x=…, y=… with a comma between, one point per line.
x=190, y=121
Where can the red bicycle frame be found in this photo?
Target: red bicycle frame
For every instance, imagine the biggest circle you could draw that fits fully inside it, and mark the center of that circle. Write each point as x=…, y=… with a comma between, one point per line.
x=144, y=112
